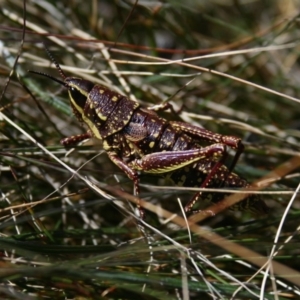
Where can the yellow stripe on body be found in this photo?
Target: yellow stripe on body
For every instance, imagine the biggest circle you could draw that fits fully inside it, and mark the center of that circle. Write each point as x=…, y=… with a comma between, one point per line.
x=90, y=124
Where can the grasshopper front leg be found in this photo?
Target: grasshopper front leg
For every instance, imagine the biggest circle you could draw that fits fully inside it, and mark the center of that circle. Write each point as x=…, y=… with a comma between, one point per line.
x=73, y=140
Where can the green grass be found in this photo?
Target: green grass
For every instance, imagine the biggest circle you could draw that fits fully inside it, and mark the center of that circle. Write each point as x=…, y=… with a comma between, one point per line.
x=231, y=66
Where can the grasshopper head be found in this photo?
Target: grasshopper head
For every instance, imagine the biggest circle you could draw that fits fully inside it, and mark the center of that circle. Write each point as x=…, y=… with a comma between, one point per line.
x=78, y=88
x=78, y=92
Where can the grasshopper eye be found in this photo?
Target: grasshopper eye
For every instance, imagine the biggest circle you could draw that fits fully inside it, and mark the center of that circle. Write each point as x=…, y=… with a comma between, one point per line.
x=77, y=97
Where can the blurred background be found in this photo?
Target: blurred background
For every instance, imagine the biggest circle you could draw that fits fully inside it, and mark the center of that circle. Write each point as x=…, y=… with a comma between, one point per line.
x=230, y=66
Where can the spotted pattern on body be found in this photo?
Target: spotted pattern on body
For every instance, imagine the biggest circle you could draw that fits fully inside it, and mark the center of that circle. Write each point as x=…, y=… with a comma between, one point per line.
x=137, y=139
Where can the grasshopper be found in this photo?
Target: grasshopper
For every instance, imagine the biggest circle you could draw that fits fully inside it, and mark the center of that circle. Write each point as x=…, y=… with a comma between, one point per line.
x=138, y=139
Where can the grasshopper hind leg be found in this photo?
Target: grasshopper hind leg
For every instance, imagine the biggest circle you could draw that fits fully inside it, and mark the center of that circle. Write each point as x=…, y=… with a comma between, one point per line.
x=212, y=174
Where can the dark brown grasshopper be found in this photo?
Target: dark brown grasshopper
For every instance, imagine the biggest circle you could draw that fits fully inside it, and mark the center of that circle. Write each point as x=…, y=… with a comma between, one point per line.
x=137, y=139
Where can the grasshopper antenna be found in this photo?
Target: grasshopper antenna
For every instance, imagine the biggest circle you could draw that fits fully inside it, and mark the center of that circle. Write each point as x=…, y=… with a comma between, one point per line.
x=61, y=73
x=49, y=76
